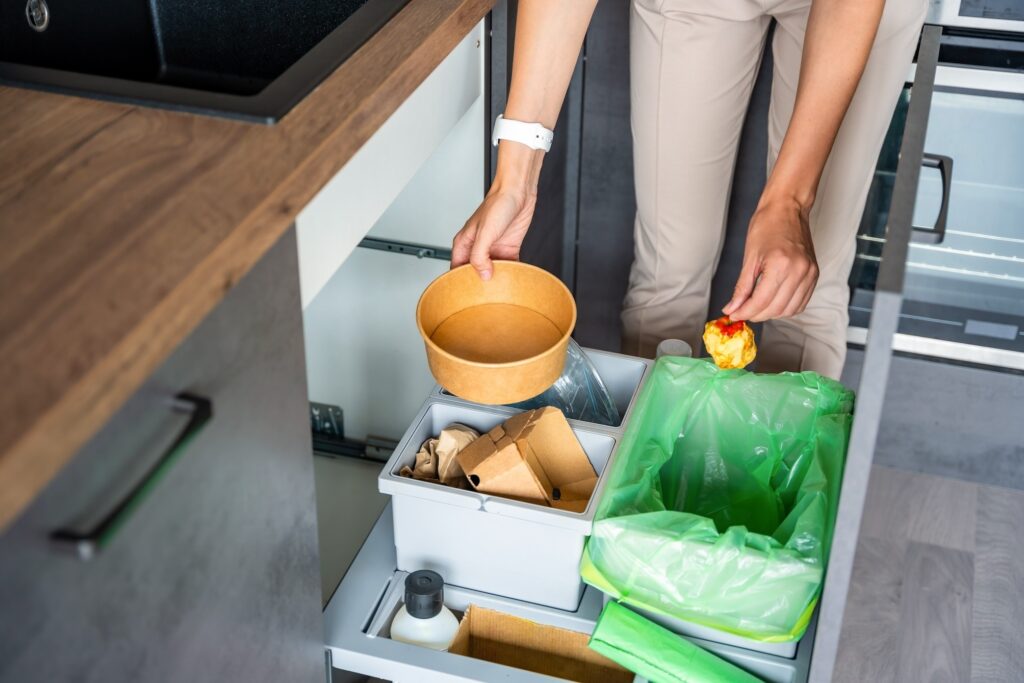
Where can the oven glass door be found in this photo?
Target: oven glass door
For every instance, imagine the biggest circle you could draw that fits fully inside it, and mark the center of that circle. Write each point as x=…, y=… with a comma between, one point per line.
x=992, y=15
x=964, y=283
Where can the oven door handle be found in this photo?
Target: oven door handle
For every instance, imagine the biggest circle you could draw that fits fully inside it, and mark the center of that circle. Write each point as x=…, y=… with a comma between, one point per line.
x=936, y=234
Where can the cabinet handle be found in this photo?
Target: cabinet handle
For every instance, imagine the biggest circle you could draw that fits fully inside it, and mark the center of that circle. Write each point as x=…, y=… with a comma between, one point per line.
x=88, y=543
x=936, y=234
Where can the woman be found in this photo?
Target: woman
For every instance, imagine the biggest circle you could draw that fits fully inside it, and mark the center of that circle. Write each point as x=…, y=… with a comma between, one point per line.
x=839, y=67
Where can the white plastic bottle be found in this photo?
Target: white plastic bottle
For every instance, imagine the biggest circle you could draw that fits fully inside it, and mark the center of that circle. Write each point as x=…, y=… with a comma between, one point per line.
x=423, y=619
x=673, y=347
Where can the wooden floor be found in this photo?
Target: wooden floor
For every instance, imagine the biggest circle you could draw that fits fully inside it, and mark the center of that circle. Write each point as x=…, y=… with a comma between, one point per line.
x=938, y=584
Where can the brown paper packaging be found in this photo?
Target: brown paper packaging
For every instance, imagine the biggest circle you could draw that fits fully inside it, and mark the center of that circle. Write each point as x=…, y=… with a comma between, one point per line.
x=504, y=639
x=533, y=456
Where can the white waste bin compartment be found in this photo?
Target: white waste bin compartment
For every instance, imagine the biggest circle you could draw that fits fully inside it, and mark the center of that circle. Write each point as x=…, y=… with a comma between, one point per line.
x=484, y=542
x=622, y=376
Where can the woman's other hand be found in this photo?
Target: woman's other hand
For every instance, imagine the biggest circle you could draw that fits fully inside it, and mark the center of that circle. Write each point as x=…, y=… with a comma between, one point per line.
x=779, y=269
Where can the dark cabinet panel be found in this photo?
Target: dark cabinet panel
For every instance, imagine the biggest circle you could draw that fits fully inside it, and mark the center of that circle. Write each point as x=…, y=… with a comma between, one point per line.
x=604, y=249
x=213, y=575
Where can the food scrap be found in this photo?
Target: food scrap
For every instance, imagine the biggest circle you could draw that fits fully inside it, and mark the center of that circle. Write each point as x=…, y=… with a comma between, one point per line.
x=730, y=343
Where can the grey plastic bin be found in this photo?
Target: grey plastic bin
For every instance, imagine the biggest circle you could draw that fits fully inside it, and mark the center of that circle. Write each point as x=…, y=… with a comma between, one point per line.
x=488, y=543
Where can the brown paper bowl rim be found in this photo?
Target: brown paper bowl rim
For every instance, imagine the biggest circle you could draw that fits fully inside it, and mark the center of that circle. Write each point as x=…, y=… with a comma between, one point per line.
x=509, y=364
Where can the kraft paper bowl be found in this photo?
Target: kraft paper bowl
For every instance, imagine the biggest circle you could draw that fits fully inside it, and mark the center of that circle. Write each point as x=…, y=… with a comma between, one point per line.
x=494, y=360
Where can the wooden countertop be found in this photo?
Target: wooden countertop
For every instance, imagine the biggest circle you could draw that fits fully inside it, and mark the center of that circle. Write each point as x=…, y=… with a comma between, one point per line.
x=123, y=226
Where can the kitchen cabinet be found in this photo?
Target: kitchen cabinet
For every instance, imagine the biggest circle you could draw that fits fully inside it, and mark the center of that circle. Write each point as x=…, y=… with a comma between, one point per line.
x=409, y=189
x=364, y=352
x=204, y=568
x=353, y=201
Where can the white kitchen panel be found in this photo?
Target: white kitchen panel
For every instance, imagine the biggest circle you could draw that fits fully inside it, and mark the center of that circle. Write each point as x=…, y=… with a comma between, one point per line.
x=446, y=190
x=363, y=351
x=341, y=214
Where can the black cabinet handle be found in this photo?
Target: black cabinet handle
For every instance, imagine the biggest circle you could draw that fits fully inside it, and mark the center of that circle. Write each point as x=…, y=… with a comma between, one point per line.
x=936, y=234
x=88, y=543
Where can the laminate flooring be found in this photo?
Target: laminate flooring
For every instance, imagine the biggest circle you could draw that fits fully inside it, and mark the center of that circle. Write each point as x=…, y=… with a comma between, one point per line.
x=937, y=592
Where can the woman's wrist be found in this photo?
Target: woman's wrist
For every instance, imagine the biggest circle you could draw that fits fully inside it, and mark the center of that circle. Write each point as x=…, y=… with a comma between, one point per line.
x=795, y=196
x=518, y=167
x=779, y=210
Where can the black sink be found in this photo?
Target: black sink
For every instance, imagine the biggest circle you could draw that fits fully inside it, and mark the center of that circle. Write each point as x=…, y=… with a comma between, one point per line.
x=249, y=59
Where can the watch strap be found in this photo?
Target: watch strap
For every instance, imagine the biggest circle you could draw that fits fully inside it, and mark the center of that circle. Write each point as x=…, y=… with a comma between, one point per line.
x=533, y=135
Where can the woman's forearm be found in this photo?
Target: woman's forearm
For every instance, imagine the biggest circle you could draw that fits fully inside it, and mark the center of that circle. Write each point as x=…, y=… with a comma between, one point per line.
x=780, y=269
x=836, y=47
x=549, y=35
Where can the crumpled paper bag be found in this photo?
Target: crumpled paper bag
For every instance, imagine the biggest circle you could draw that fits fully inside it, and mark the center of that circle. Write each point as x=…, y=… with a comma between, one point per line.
x=436, y=461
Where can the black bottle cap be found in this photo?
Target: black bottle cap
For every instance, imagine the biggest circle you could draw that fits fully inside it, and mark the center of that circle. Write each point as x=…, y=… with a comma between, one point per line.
x=424, y=594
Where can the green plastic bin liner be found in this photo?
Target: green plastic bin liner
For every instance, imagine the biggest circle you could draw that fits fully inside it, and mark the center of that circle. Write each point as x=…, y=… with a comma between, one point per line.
x=657, y=654
x=719, y=506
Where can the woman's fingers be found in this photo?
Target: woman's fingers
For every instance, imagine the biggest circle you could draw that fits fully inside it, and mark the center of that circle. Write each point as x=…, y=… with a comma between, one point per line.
x=744, y=286
x=762, y=296
x=782, y=290
x=462, y=244
x=782, y=299
x=495, y=231
x=490, y=228
x=798, y=302
x=480, y=255
x=800, y=299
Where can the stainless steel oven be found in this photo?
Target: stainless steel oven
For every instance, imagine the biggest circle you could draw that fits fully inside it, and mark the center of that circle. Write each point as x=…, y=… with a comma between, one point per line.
x=963, y=293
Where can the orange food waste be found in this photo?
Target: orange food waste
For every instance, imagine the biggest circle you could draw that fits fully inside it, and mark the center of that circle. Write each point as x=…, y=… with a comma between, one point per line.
x=730, y=343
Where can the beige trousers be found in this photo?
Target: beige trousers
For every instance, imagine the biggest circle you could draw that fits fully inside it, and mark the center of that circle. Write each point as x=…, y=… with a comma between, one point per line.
x=693, y=66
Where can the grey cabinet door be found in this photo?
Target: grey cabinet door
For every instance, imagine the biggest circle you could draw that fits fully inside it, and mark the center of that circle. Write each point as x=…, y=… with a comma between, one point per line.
x=214, y=575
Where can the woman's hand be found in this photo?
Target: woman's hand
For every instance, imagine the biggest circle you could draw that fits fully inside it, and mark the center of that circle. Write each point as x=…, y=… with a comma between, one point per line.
x=548, y=38
x=495, y=230
x=779, y=269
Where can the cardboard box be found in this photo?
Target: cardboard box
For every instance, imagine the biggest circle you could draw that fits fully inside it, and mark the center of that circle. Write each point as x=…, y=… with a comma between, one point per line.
x=533, y=456
x=504, y=639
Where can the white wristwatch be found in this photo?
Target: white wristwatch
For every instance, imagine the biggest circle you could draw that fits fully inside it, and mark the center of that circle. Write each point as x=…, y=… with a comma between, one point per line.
x=533, y=135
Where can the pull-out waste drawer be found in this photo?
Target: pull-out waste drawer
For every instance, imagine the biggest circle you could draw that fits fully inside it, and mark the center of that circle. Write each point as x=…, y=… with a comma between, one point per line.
x=358, y=617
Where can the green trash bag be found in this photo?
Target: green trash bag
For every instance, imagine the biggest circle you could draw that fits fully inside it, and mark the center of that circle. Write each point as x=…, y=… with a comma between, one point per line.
x=658, y=655
x=719, y=506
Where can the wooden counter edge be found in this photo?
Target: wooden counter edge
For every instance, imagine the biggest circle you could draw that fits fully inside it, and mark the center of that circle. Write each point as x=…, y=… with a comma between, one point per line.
x=28, y=464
